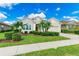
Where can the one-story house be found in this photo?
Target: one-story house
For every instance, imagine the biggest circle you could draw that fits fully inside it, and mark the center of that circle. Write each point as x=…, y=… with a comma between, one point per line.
x=55, y=25
x=69, y=25
x=31, y=24
x=4, y=27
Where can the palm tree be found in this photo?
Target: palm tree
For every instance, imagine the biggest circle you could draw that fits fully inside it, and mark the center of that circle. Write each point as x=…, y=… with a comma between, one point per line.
x=41, y=26
x=18, y=26
x=48, y=24
x=44, y=25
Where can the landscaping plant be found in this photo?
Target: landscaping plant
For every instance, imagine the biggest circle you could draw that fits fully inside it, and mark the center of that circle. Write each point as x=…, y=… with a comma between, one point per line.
x=45, y=33
x=16, y=37
x=8, y=36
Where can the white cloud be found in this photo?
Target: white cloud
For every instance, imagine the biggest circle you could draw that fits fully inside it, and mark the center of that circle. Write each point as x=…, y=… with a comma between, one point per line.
x=75, y=12
x=21, y=17
x=56, y=14
x=7, y=5
x=46, y=9
x=39, y=10
x=58, y=9
x=2, y=16
x=31, y=15
x=9, y=22
x=66, y=17
x=73, y=19
x=42, y=15
x=3, y=12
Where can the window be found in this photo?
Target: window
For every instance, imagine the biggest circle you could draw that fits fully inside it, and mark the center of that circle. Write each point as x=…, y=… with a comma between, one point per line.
x=27, y=27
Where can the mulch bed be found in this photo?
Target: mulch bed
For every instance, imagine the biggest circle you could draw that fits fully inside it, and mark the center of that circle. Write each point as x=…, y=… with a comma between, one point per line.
x=7, y=41
x=24, y=34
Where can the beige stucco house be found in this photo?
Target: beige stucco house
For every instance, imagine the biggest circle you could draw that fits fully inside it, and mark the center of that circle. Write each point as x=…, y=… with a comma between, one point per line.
x=69, y=25
x=28, y=25
x=55, y=25
x=31, y=24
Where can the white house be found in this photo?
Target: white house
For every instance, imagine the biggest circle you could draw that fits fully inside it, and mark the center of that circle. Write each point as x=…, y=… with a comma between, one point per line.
x=30, y=24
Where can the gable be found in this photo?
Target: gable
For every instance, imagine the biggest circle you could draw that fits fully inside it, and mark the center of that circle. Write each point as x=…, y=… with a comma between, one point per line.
x=27, y=21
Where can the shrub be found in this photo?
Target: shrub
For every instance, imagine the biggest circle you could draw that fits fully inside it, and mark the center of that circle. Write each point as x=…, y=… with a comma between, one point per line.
x=32, y=32
x=45, y=33
x=16, y=37
x=8, y=36
x=77, y=32
x=35, y=32
x=16, y=31
x=50, y=33
x=5, y=31
x=67, y=31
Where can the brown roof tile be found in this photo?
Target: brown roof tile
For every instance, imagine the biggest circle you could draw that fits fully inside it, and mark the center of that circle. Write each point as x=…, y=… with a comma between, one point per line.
x=64, y=22
x=4, y=24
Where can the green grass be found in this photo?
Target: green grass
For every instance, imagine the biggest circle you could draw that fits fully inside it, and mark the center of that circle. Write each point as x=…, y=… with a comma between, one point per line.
x=2, y=36
x=30, y=39
x=38, y=38
x=61, y=51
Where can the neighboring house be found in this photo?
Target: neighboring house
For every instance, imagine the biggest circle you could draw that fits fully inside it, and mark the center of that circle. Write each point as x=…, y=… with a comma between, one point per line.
x=31, y=24
x=4, y=27
x=69, y=25
x=55, y=25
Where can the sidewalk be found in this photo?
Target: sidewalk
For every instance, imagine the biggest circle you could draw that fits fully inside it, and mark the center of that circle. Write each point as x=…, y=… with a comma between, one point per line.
x=8, y=51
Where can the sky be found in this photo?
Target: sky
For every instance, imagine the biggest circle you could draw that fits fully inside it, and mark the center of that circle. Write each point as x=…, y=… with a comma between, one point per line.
x=11, y=12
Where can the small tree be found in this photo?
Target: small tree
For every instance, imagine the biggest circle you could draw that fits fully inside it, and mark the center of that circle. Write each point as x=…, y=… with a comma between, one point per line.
x=44, y=25
x=18, y=26
x=48, y=24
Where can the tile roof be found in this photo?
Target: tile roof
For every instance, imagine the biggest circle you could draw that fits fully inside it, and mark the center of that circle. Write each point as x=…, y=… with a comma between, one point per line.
x=4, y=24
x=64, y=22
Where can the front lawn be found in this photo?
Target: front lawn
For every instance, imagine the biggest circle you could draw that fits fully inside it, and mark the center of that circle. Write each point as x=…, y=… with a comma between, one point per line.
x=61, y=51
x=38, y=38
x=30, y=39
x=2, y=36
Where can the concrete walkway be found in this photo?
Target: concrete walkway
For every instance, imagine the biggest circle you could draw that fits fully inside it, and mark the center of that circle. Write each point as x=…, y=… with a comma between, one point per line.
x=8, y=51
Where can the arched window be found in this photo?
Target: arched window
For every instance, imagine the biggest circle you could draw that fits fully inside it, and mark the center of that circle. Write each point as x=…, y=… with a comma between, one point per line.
x=27, y=27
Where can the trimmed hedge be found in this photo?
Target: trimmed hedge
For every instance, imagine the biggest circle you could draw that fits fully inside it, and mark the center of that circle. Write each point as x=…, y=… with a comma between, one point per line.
x=8, y=36
x=16, y=37
x=13, y=36
x=5, y=31
x=45, y=33
x=77, y=32
x=50, y=33
x=70, y=31
x=67, y=31
x=35, y=32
